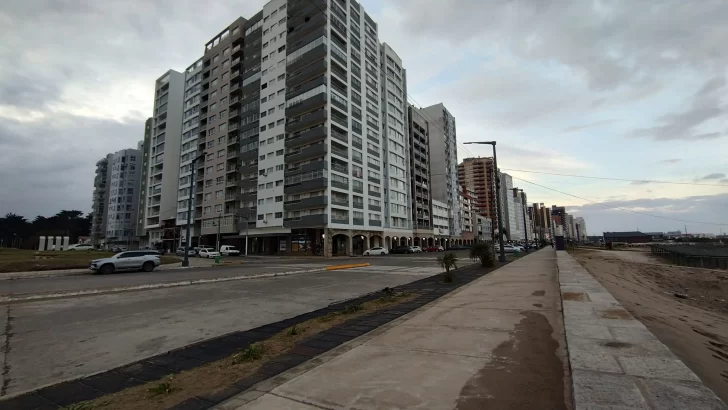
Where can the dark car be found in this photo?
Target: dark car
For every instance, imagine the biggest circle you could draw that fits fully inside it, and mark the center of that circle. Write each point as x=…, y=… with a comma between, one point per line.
x=403, y=249
x=457, y=248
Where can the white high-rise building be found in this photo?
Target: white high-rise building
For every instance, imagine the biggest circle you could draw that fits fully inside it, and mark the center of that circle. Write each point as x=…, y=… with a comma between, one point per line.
x=188, y=148
x=395, y=160
x=124, y=171
x=162, y=183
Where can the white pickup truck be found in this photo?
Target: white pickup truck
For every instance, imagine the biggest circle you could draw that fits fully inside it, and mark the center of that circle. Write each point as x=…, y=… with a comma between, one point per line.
x=229, y=250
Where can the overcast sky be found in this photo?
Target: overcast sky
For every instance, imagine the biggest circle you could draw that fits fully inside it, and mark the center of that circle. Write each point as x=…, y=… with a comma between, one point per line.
x=622, y=89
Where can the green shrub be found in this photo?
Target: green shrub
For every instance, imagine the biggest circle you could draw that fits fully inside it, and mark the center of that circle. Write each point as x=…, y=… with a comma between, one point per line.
x=252, y=353
x=164, y=387
x=484, y=253
x=448, y=262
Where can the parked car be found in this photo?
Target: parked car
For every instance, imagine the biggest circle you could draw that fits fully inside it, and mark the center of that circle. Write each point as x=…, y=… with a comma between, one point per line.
x=434, y=249
x=81, y=247
x=118, y=249
x=377, y=250
x=229, y=250
x=416, y=249
x=456, y=248
x=208, y=253
x=403, y=249
x=201, y=247
x=181, y=252
x=131, y=260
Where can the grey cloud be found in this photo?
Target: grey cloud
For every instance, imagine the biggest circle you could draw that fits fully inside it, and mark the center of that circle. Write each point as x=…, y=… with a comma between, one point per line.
x=587, y=126
x=715, y=175
x=610, y=43
x=640, y=182
x=670, y=161
x=48, y=174
x=667, y=214
x=705, y=106
x=724, y=181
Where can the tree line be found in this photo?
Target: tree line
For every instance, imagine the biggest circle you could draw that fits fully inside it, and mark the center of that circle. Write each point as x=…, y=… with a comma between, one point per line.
x=16, y=231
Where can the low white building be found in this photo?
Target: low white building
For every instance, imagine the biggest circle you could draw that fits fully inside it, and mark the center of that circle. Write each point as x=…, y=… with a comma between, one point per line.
x=440, y=221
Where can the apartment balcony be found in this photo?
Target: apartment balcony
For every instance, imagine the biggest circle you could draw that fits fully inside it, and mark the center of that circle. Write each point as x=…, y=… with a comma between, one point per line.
x=375, y=194
x=307, y=186
x=245, y=225
x=340, y=185
x=237, y=50
x=344, y=220
x=232, y=168
x=375, y=208
x=303, y=88
x=233, y=141
x=375, y=223
x=307, y=121
x=309, y=104
x=307, y=137
x=306, y=203
x=248, y=169
x=300, y=76
x=247, y=196
x=305, y=22
x=248, y=155
x=339, y=202
x=308, y=221
x=311, y=166
x=248, y=183
x=340, y=152
x=313, y=151
x=317, y=53
x=232, y=154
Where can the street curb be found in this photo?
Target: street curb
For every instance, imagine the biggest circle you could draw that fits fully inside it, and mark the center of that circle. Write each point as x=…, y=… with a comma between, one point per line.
x=195, y=355
x=349, y=266
x=91, y=292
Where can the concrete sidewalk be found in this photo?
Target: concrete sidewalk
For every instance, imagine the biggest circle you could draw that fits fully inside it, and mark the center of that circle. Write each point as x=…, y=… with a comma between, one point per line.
x=616, y=362
x=496, y=343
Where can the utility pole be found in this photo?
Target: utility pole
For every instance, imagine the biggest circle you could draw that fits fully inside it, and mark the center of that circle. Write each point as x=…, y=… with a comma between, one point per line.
x=525, y=224
x=186, y=261
x=218, y=232
x=502, y=256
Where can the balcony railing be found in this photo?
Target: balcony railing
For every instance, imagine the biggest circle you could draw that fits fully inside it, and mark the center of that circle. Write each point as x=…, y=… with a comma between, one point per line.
x=341, y=152
x=339, y=136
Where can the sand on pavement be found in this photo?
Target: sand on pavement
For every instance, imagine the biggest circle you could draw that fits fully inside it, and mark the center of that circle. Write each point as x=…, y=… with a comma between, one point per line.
x=695, y=328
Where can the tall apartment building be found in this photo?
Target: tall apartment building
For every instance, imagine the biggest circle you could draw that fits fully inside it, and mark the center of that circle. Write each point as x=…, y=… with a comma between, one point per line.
x=395, y=142
x=580, y=226
x=419, y=149
x=188, y=150
x=466, y=214
x=163, y=158
x=124, y=171
x=541, y=221
x=509, y=208
x=144, y=147
x=440, y=222
x=478, y=174
x=444, y=160
x=100, y=202
x=222, y=90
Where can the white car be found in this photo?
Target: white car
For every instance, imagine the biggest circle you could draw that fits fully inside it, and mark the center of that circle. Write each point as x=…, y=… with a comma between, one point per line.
x=417, y=249
x=377, y=250
x=81, y=247
x=229, y=250
x=132, y=260
x=208, y=253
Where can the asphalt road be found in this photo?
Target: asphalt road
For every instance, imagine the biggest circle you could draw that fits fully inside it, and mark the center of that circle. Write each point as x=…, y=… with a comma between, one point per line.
x=61, y=339
x=252, y=266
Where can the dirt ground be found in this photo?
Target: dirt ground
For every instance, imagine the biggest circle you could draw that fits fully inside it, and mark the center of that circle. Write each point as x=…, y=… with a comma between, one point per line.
x=695, y=328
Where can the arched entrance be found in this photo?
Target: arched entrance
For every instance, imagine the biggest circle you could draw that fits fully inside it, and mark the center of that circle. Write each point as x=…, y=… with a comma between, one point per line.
x=375, y=241
x=358, y=244
x=339, y=244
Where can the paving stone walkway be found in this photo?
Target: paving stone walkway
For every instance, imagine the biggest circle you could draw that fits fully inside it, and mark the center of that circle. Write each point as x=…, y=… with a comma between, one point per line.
x=616, y=362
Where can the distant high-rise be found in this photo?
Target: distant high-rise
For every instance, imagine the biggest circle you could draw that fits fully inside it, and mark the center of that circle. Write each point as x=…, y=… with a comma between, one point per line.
x=100, y=201
x=444, y=161
x=478, y=174
x=124, y=171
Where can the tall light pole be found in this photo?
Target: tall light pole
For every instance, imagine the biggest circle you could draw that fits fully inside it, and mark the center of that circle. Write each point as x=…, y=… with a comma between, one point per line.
x=502, y=256
x=186, y=261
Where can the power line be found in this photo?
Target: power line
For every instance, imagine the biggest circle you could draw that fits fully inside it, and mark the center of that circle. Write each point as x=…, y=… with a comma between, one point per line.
x=617, y=207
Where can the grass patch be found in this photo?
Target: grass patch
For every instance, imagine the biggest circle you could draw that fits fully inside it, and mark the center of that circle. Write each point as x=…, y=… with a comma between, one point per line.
x=216, y=376
x=21, y=260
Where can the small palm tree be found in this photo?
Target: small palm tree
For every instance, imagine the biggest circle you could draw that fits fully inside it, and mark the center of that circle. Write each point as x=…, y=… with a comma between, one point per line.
x=448, y=262
x=484, y=252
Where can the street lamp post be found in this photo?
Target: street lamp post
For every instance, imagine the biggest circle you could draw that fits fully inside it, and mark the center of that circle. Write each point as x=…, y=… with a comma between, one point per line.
x=502, y=256
x=186, y=261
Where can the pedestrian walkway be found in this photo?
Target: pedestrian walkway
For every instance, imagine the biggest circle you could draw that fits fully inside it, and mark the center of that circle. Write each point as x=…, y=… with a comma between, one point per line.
x=495, y=343
x=616, y=361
